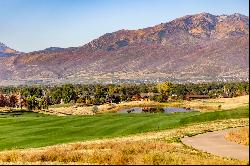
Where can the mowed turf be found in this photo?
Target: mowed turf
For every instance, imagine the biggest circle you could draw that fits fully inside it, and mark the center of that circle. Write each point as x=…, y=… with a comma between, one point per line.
x=27, y=129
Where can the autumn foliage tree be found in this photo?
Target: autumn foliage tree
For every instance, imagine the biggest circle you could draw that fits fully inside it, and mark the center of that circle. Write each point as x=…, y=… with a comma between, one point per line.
x=3, y=100
x=164, y=88
x=13, y=100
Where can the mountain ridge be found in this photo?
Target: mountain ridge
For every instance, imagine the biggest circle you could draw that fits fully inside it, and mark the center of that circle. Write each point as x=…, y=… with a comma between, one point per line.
x=7, y=51
x=192, y=48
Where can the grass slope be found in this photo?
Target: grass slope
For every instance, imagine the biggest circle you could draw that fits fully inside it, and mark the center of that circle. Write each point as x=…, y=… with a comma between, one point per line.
x=25, y=130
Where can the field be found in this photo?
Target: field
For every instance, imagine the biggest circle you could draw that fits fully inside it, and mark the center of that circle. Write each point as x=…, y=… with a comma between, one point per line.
x=25, y=130
x=162, y=147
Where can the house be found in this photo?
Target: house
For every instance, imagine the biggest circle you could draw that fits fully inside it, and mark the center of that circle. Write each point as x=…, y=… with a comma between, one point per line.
x=136, y=97
x=145, y=97
x=173, y=97
x=223, y=95
x=192, y=97
x=148, y=96
x=115, y=97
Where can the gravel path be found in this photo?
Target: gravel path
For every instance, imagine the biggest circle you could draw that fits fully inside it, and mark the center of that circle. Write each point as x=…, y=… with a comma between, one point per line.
x=215, y=143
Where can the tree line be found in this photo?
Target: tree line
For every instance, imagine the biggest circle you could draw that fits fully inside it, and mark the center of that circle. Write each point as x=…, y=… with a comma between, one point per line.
x=40, y=97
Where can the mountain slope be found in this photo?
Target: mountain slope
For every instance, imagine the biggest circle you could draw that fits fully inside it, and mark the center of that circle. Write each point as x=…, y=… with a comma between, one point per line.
x=201, y=47
x=6, y=51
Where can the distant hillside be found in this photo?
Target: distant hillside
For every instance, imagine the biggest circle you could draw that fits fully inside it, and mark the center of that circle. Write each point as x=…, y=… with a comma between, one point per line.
x=193, y=48
x=6, y=51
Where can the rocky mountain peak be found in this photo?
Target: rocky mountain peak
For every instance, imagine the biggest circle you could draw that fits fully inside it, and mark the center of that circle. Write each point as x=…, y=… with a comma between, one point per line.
x=2, y=46
x=6, y=51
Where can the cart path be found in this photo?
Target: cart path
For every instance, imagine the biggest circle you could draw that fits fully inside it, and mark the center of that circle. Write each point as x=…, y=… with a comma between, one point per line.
x=215, y=143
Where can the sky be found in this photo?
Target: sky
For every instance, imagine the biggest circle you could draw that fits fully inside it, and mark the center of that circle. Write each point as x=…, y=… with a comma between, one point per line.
x=29, y=25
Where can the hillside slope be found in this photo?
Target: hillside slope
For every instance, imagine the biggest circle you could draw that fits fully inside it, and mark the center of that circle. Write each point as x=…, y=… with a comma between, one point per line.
x=201, y=47
x=7, y=51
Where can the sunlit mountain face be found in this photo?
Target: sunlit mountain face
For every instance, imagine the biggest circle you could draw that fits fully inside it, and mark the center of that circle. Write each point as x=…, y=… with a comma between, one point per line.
x=200, y=47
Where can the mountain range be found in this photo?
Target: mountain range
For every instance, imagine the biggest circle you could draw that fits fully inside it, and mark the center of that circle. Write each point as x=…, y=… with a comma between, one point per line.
x=194, y=48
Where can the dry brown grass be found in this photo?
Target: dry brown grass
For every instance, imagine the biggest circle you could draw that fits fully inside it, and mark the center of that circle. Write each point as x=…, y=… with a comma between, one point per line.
x=9, y=109
x=240, y=136
x=149, y=148
x=116, y=107
x=213, y=104
x=70, y=111
x=87, y=110
x=201, y=105
x=138, y=152
x=3, y=109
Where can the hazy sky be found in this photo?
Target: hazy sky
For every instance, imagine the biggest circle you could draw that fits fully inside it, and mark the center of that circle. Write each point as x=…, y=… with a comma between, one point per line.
x=28, y=25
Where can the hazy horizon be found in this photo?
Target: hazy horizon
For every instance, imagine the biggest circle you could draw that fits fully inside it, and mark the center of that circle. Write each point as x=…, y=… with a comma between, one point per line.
x=30, y=25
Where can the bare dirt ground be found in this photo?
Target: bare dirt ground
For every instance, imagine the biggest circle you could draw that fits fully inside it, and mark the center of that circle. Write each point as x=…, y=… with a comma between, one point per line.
x=215, y=143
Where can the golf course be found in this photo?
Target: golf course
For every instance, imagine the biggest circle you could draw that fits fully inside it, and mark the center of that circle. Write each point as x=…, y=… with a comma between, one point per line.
x=29, y=133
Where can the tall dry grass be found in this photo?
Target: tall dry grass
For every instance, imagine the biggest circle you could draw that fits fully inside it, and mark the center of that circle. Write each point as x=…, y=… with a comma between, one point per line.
x=138, y=152
x=218, y=104
x=240, y=136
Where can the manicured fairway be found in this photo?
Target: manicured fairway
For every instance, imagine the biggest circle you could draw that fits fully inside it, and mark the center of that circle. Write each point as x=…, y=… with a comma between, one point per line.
x=24, y=130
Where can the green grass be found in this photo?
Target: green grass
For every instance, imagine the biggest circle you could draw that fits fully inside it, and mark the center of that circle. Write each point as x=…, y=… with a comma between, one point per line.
x=27, y=129
x=210, y=116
